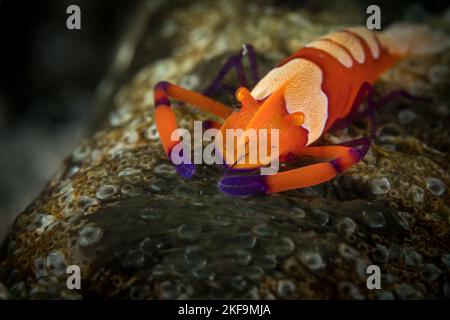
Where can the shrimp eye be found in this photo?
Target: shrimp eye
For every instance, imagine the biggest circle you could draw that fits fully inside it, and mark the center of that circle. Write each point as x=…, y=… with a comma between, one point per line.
x=296, y=118
x=245, y=98
x=241, y=93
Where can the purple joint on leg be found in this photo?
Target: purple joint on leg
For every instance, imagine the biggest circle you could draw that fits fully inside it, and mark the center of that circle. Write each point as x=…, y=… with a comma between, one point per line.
x=364, y=143
x=162, y=101
x=162, y=85
x=336, y=165
x=243, y=185
x=356, y=154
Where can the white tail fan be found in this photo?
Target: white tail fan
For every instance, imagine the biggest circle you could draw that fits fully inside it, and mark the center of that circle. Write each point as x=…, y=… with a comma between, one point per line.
x=414, y=40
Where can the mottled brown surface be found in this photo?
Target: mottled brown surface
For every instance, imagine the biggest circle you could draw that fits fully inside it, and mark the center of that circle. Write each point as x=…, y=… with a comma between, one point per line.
x=137, y=230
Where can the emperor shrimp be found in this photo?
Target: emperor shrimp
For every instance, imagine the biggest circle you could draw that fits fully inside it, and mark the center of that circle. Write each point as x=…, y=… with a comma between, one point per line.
x=318, y=88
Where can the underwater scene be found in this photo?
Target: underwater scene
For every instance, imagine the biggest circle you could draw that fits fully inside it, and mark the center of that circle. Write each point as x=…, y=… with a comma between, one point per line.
x=250, y=150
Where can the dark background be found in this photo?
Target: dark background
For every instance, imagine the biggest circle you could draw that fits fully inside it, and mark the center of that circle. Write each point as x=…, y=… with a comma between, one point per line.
x=49, y=74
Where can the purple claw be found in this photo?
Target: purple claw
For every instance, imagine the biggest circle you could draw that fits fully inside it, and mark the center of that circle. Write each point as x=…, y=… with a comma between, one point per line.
x=243, y=185
x=186, y=170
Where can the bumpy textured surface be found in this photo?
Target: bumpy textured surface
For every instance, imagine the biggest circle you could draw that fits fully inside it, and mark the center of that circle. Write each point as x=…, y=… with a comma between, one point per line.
x=137, y=230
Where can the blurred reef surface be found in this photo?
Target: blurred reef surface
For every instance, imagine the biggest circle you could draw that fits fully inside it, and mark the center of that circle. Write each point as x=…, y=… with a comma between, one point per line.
x=137, y=230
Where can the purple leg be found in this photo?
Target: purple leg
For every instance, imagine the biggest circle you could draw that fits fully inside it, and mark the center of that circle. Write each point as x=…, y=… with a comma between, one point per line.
x=391, y=96
x=235, y=61
x=366, y=90
x=253, y=62
x=373, y=123
x=232, y=62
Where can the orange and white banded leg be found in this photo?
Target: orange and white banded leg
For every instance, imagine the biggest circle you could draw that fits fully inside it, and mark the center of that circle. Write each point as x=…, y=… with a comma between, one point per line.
x=166, y=122
x=343, y=158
